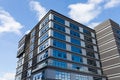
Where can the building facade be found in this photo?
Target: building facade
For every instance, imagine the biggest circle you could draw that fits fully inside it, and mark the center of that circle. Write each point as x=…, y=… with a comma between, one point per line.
x=59, y=48
x=108, y=37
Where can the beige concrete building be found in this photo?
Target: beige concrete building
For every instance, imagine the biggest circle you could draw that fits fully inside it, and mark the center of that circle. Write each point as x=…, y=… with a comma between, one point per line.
x=108, y=38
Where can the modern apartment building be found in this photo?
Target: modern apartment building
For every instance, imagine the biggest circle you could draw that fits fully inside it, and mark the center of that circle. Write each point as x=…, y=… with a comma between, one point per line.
x=108, y=37
x=59, y=48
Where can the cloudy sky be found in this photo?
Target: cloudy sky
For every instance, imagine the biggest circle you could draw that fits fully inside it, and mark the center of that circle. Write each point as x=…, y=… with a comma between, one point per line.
x=17, y=17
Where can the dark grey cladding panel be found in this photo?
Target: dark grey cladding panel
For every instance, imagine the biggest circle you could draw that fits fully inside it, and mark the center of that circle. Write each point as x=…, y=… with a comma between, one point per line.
x=111, y=62
x=109, y=53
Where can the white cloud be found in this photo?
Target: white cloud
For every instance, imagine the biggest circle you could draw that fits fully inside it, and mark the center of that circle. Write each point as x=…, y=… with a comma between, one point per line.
x=85, y=12
x=40, y=10
x=112, y=3
x=92, y=25
x=8, y=23
x=8, y=76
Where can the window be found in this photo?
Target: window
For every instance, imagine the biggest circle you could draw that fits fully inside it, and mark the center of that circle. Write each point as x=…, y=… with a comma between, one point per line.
x=90, y=46
x=77, y=67
x=60, y=64
x=30, y=55
x=91, y=62
x=32, y=33
x=94, y=71
x=30, y=63
x=19, y=70
x=97, y=78
x=87, y=32
x=29, y=73
x=32, y=40
x=59, y=54
x=59, y=44
x=20, y=62
x=42, y=56
x=62, y=75
x=44, y=37
x=73, y=33
x=76, y=49
x=59, y=35
x=43, y=46
x=44, y=29
x=82, y=77
x=38, y=76
x=76, y=58
x=44, y=22
x=75, y=41
x=90, y=54
x=31, y=47
x=59, y=19
x=88, y=38
x=74, y=27
x=18, y=77
x=59, y=27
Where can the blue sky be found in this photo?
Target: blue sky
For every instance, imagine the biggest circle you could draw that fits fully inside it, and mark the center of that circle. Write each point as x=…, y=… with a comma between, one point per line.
x=19, y=16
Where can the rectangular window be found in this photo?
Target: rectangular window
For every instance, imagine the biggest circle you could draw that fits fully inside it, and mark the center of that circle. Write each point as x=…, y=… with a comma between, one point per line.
x=59, y=64
x=76, y=58
x=44, y=22
x=44, y=37
x=73, y=26
x=76, y=49
x=59, y=27
x=77, y=67
x=43, y=46
x=44, y=29
x=59, y=44
x=93, y=70
x=75, y=41
x=32, y=33
x=59, y=19
x=91, y=62
x=88, y=39
x=29, y=63
x=73, y=33
x=87, y=32
x=62, y=75
x=59, y=35
x=90, y=46
x=42, y=56
x=59, y=54
x=38, y=76
x=90, y=54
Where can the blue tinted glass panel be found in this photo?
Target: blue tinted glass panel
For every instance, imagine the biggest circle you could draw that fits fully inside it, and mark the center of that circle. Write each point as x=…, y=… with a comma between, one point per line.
x=76, y=49
x=59, y=20
x=43, y=37
x=75, y=41
x=87, y=32
x=59, y=44
x=44, y=29
x=59, y=64
x=59, y=54
x=73, y=33
x=59, y=27
x=59, y=35
x=76, y=58
x=74, y=27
